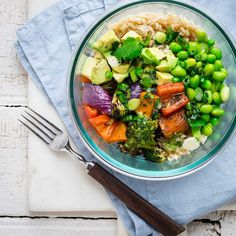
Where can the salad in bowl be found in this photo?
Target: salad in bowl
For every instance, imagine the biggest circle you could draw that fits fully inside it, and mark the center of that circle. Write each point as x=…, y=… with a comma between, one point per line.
x=154, y=85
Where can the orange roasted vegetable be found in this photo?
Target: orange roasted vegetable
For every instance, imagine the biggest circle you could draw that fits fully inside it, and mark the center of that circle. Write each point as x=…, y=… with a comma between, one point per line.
x=174, y=123
x=147, y=104
x=84, y=79
x=169, y=89
x=90, y=111
x=183, y=100
x=110, y=130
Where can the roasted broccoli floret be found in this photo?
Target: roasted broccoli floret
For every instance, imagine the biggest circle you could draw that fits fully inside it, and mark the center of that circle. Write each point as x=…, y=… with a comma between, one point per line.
x=141, y=135
x=118, y=109
x=155, y=155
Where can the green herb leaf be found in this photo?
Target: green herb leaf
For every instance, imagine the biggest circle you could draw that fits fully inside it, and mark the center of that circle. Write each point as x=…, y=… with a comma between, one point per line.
x=170, y=35
x=129, y=50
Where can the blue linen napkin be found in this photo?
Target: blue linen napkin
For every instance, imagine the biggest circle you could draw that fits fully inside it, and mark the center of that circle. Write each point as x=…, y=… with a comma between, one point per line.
x=44, y=48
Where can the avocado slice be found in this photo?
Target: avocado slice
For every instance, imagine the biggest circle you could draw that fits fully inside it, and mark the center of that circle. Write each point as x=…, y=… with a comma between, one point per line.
x=152, y=55
x=122, y=68
x=89, y=64
x=105, y=42
x=112, y=60
x=98, y=75
x=120, y=77
x=163, y=77
x=131, y=34
x=172, y=60
x=164, y=66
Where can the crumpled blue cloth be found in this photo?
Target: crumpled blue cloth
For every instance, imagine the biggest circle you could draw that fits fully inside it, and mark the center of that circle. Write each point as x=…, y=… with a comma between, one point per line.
x=45, y=46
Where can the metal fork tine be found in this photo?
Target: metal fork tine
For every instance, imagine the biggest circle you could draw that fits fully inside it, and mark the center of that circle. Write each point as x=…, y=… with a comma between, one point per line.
x=44, y=140
x=45, y=126
x=55, y=127
x=37, y=127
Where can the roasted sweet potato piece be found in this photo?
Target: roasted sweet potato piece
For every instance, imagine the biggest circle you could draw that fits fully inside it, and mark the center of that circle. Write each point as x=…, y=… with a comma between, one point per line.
x=174, y=123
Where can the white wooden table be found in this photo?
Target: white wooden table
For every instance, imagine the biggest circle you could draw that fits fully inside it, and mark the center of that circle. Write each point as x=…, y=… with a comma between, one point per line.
x=15, y=219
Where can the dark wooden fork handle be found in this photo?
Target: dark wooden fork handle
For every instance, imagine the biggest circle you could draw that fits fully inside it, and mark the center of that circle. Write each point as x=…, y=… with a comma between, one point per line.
x=153, y=216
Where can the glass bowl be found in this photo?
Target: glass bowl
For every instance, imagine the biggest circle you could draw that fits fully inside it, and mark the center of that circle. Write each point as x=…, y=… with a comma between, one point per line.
x=109, y=154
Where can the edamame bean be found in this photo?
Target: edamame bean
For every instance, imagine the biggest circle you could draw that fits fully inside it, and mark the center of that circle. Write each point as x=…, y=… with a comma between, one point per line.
x=206, y=108
x=224, y=93
x=207, y=130
x=175, y=47
x=224, y=70
x=203, y=47
x=217, y=52
x=218, y=112
x=160, y=37
x=205, y=117
x=198, y=94
x=190, y=93
x=211, y=58
x=176, y=79
x=194, y=81
x=190, y=62
x=208, y=69
x=182, y=55
x=199, y=64
x=219, y=75
x=193, y=48
x=201, y=36
x=215, y=121
x=178, y=71
x=216, y=98
x=218, y=65
x=201, y=56
x=210, y=42
x=206, y=84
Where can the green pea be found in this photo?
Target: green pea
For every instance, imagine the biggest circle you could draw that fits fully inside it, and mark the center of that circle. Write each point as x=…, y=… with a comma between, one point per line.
x=208, y=69
x=206, y=108
x=210, y=42
x=175, y=47
x=217, y=52
x=199, y=64
x=190, y=62
x=160, y=37
x=215, y=121
x=205, y=117
x=208, y=96
x=225, y=93
x=198, y=94
x=218, y=112
x=193, y=48
x=203, y=47
x=218, y=65
x=211, y=58
x=206, y=84
x=176, y=79
x=194, y=81
x=178, y=71
x=190, y=93
x=109, y=74
x=216, y=98
x=207, y=130
x=201, y=36
x=182, y=55
x=219, y=75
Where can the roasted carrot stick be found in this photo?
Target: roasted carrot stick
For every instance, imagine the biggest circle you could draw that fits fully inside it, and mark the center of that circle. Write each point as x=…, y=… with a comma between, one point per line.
x=167, y=90
x=176, y=106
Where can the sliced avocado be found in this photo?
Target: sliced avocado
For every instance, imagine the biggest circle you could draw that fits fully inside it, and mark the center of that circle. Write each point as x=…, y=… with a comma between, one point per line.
x=99, y=72
x=163, y=77
x=89, y=64
x=133, y=76
x=164, y=66
x=104, y=43
x=122, y=68
x=112, y=60
x=172, y=60
x=152, y=55
x=131, y=34
x=98, y=55
x=120, y=77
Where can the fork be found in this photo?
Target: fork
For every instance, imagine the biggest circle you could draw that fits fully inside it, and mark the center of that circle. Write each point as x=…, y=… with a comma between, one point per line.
x=57, y=140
